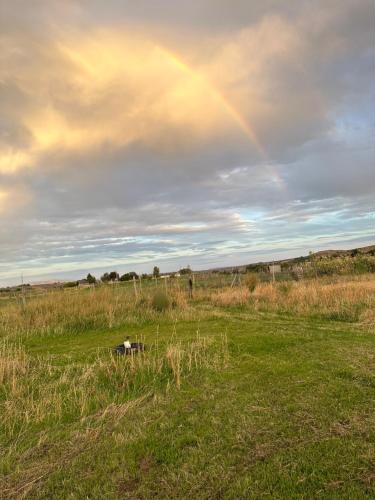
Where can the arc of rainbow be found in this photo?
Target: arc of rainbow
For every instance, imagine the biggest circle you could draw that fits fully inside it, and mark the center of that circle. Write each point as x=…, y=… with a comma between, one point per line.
x=228, y=107
x=217, y=94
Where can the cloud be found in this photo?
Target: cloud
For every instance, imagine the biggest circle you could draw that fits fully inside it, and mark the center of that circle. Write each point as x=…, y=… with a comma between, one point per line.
x=110, y=89
x=13, y=200
x=198, y=133
x=119, y=87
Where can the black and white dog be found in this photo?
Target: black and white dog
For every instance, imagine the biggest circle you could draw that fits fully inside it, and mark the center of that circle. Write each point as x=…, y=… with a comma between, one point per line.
x=135, y=347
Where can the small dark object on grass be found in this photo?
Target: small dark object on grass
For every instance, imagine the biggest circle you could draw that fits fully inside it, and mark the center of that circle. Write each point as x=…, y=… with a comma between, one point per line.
x=135, y=347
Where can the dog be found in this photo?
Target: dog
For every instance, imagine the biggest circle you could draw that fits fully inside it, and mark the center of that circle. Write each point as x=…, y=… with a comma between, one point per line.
x=135, y=348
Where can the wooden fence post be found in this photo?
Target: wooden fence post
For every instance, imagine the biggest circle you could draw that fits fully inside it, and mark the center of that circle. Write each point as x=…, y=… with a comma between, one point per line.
x=135, y=287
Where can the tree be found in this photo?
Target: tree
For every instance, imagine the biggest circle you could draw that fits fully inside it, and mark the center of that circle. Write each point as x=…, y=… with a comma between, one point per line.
x=185, y=270
x=156, y=272
x=91, y=279
x=129, y=276
x=114, y=276
x=105, y=278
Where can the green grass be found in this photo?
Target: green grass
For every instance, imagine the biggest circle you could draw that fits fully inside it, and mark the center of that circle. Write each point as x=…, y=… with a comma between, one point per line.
x=291, y=415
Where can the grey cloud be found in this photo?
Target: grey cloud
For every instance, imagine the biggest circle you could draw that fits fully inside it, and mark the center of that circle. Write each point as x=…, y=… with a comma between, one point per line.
x=210, y=202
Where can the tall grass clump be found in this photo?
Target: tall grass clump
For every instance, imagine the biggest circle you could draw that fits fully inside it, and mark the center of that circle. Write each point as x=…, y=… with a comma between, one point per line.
x=251, y=281
x=13, y=364
x=367, y=318
x=160, y=301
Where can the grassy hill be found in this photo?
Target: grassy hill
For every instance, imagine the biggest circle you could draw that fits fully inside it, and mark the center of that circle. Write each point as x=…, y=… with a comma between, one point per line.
x=368, y=251
x=353, y=251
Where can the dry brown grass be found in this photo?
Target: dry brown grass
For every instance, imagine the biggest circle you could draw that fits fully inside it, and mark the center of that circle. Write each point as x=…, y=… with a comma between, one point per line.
x=250, y=281
x=238, y=296
x=13, y=364
x=351, y=299
x=367, y=318
x=72, y=311
x=186, y=358
x=62, y=312
x=340, y=299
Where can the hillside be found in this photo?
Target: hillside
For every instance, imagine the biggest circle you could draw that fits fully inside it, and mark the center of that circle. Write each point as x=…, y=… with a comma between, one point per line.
x=367, y=250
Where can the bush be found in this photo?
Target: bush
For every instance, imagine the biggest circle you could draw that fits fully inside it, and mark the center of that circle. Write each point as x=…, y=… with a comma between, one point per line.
x=70, y=284
x=251, y=281
x=129, y=276
x=364, y=265
x=160, y=301
x=358, y=264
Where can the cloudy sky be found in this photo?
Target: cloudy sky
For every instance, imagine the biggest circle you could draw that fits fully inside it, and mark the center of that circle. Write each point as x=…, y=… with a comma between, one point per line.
x=209, y=133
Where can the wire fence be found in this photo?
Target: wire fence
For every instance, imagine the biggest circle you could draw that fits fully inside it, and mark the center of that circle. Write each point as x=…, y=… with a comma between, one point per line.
x=199, y=280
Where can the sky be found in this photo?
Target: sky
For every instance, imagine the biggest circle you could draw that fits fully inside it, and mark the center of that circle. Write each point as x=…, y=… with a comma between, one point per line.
x=205, y=133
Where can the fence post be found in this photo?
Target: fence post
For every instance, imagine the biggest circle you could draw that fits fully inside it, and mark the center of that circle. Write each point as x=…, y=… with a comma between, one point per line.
x=135, y=287
x=23, y=294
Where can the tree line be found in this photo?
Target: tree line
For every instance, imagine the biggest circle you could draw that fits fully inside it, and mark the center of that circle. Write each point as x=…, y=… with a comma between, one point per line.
x=129, y=276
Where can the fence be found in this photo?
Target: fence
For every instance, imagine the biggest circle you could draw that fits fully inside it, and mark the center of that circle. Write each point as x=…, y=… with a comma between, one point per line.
x=208, y=279
x=201, y=280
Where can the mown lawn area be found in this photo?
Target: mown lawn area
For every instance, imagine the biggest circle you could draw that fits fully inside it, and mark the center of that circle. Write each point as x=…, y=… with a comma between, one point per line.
x=289, y=414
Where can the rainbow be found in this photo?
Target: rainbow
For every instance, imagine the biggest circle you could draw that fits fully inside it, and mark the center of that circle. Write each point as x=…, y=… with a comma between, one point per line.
x=228, y=107
x=230, y=110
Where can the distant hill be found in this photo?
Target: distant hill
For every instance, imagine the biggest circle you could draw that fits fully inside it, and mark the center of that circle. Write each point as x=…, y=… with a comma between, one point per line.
x=48, y=282
x=368, y=250
x=340, y=253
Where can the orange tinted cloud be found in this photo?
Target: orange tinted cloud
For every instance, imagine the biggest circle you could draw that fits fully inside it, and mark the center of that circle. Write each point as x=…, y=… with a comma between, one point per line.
x=114, y=89
x=13, y=200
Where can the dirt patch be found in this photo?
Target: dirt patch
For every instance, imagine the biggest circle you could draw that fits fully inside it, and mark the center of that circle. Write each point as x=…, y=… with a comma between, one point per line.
x=146, y=464
x=126, y=486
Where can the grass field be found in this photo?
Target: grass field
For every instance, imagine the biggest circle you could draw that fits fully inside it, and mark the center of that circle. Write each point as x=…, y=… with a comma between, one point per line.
x=241, y=394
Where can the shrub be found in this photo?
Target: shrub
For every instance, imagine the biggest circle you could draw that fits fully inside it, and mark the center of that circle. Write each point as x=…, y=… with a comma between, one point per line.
x=364, y=265
x=129, y=276
x=160, y=301
x=251, y=281
x=70, y=284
